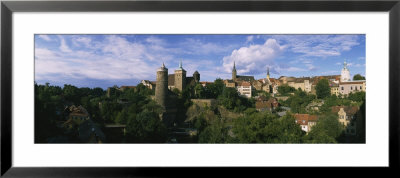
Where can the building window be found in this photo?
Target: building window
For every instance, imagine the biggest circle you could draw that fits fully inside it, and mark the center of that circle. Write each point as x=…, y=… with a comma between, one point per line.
x=360, y=87
x=342, y=88
x=351, y=88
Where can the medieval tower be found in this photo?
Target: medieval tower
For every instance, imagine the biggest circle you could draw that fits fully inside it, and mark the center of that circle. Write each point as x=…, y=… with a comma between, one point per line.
x=162, y=86
x=268, y=73
x=234, y=72
x=180, y=78
x=196, y=76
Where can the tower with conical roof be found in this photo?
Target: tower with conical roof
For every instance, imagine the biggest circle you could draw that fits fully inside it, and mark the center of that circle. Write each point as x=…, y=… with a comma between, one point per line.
x=234, y=72
x=161, y=93
x=180, y=77
x=345, y=75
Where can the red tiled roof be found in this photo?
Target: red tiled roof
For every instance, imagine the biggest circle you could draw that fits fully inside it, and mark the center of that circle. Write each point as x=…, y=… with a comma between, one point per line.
x=303, y=119
x=261, y=103
x=206, y=82
x=352, y=82
x=244, y=84
x=350, y=110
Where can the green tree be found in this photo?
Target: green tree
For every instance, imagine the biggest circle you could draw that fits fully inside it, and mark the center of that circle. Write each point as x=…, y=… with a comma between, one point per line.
x=327, y=130
x=146, y=127
x=215, y=89
x=357, y=96
x=229, y=98
x=71, y=93
x=285, y=90
x=48, y=110
x=358, y=77
x=122, y=117
x=216, y=132
x=322, y=89
x=199, y=91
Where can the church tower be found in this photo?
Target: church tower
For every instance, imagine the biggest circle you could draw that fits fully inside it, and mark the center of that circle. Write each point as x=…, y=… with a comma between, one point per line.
x=180, y=78
x=345, y=75
x=234, y=72
x=196, y=76
x=161, y=93
x=268, y=73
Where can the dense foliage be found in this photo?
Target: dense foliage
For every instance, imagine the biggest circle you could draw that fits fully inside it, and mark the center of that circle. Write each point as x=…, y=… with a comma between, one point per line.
x=299, y=101
x=285, y=90
x=323, y=90
x=358, y=77
x=233, y=119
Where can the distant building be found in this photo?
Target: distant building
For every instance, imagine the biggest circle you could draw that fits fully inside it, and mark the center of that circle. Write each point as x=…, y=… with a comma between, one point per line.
x=161, y=93
x=345, y=75
x=306, y=121
x=79, y=121
x=230, y=83
x=204, y=84
x=346, y=88
x=179, y=80
x=244, y=89
x=149, y=84
x=347, y=117
x=163, y=90
x=122, y=88
x=334, y=88
x=237, y=78
x=76, y=116
x=262, y=104
x=303, y=83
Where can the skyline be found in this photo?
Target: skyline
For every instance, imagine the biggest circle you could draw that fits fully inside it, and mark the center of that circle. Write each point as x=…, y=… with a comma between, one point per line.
x=107, y=60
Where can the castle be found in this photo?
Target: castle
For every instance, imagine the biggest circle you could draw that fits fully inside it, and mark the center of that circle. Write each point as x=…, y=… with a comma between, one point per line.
x=166, y=82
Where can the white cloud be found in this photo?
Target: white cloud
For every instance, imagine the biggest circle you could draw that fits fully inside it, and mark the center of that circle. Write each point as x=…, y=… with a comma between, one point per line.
x=253, y=59
x=319, y=45
x=155, y=40
x=121, y=60
x=249, y=39
x=45, y=37
x=196, y=46
x=64, y=47
x=86, y=41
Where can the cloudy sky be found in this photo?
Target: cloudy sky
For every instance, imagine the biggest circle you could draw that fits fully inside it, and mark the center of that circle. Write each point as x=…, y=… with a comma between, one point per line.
x=107, y=60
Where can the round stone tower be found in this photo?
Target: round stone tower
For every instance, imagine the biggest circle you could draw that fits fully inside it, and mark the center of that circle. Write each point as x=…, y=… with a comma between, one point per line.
x=162, y=86
x=196, y=76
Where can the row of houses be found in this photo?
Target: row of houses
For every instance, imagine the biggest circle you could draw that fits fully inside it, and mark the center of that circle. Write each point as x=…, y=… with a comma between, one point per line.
x=339, y=84
x=347, y=116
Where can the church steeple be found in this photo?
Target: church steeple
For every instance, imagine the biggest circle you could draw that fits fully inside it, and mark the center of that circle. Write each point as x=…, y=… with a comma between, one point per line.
x=345, y=75
x=234, y=71
x=180, y=64
x=268, y=73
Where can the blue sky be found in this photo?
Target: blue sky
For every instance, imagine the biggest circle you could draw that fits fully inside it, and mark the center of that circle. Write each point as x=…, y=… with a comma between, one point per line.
x=107, y=60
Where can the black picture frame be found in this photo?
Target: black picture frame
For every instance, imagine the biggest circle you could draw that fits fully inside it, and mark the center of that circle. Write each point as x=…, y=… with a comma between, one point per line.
x=8, y=7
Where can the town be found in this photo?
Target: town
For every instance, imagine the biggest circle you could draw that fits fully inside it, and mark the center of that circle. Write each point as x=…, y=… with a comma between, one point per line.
x=177, y=108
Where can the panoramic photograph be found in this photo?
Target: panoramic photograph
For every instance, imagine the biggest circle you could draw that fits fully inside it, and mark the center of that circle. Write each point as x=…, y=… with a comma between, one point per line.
x=200, y=88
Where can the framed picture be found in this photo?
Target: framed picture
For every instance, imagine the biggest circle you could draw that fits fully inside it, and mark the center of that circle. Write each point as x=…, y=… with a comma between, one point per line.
x=167, y=84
